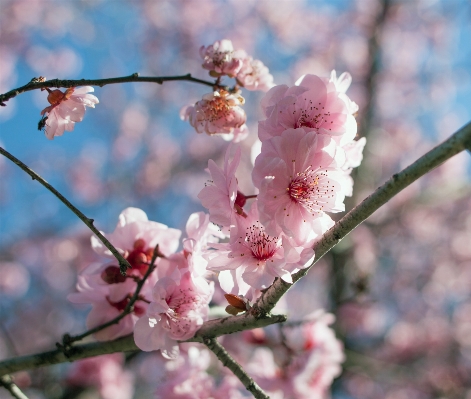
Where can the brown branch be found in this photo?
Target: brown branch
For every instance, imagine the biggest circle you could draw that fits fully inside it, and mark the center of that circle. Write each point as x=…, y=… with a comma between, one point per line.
x=123, y=263
x=210, y=329
x=235, y=367
x=36, y=83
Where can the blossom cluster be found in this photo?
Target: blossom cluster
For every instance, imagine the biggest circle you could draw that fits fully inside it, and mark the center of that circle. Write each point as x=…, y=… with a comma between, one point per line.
x=173, y=301
x=220, y=112
x=301, y=175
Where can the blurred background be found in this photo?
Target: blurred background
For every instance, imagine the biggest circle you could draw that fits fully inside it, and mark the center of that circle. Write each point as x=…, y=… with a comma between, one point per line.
x=399, y=285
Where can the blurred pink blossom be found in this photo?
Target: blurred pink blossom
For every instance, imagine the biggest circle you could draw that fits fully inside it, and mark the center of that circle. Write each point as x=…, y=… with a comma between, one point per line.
x=106, y=373
x=66, y=109
x=315, y=361
x=253, y=75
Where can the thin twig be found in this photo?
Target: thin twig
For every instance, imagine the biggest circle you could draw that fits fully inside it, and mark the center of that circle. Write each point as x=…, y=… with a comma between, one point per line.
x=435, y=157
x=236, y=368
x=35, y=83
x=7, y=382
x=67, y=340
x=123, y=263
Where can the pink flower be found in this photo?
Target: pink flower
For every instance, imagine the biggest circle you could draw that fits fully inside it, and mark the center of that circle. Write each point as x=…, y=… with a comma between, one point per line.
x=109, y=292
x=313, y=104
x=315, y=358
x=218, y=113
x=106, y=373
x=342, y=83
x=299, y=180
x=201, y=234
x=66, y=109
x=136, y=237
x=253, y=75
x=219, y=59
x=353, y=154
x=175, y=314
x=256, y=256
x=221, y=196
x=353, y=158
x=181, y=378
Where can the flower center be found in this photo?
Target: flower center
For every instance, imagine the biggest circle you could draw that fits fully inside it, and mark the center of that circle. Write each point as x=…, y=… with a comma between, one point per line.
x=55, y=97
x=217, y=108
x=221, y=57
x=308, y=188
x=262, y=245
x=139, y=257
x=312, y=117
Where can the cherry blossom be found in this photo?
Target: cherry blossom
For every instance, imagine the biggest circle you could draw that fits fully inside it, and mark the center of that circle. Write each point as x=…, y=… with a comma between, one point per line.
x=66, y=108
x=200, y=233
x=253, y=75
x=313, y=104
x=221, y=195
x=259, y=256
x=109, y=292
x=106, y=373
x=299, y=180
x=218, y=113
x=342, y=83
x=136, y=237
x=309, y=368
x=175, y=313
x=219, y=59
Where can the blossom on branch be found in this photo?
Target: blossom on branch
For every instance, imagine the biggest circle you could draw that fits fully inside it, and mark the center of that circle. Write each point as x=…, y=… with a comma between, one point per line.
x=176, y=312
x=221, y=195
x=312, y=358
x=218, y=113
x=256, y=256
x=109, y=292
x=253, y=75
x=66, y=108
x=299, y=179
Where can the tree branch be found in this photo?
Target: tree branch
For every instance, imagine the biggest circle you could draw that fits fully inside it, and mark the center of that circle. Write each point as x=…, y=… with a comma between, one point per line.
x=210, y=329
x=441, y=153
x=236, y=368
x=7, y=382
x=123, y=263
x=36, y=83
